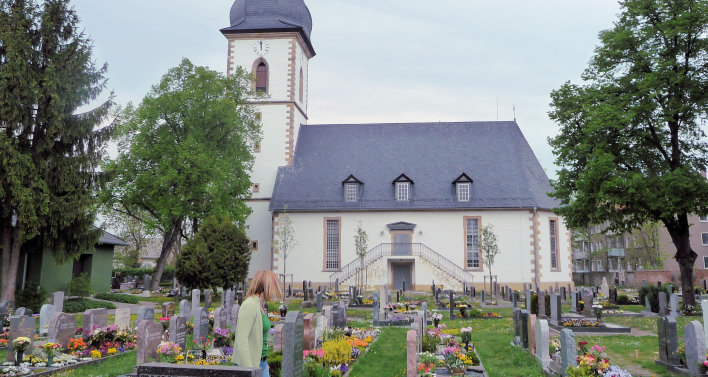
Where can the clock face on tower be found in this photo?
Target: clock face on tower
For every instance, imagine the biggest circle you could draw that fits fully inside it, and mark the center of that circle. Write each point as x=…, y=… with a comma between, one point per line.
x=261, y=47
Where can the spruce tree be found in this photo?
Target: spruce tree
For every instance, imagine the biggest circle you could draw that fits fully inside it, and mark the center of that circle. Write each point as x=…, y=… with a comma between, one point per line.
x=48, y=151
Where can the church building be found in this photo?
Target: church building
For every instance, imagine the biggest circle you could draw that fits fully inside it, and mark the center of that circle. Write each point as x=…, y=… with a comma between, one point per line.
x=421, y=191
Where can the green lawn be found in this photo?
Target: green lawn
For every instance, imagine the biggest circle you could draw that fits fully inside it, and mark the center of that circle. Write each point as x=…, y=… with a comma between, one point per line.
x=112, y=367
x=386, y=357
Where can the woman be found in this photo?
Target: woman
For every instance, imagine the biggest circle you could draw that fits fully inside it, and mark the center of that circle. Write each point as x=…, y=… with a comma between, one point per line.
x=252, y=327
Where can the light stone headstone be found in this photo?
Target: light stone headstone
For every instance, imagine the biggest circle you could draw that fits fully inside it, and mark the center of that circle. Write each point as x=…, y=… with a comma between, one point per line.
x=573, y=302
x=122, y=319
x=517, y=326
x=185, y=309
x=293, y=331
x=647, y=304
x=662, y=304
x=309, y=331
x=228, y=304
x=4, y=310
x=605, y=288
x=694, y=342
x=62, y=327
x=532, y=333
x=278, y=338
x=168, y=309
x=149, y=338
x=23, y=311
x=196, y=297
x=587, y=303
x=201, y=326
x=319, y=302
x=375, y=309
x=319, y=330
x=528, y=300
x=220, y=318
x=21, y=326
x=45, y=315
x=704, y=308
x=668, y=340
x=542, y=340
x=674, y=305
x=57, y=299
x=178, y=331
x=542, y=304
x=411, y=353
x=569, y=353
x=95, y=319
x=208, y=296
x=234, y=316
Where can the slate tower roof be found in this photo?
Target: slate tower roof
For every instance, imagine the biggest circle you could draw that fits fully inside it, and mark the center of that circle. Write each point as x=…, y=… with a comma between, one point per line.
x=249, y=16
x=495, y=156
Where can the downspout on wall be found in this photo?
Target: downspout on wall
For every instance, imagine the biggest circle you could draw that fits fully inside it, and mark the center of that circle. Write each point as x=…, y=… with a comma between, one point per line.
x=535, y=248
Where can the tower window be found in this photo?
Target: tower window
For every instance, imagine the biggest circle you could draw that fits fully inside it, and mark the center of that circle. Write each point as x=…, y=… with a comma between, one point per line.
x=301, y=86
x=261, y=77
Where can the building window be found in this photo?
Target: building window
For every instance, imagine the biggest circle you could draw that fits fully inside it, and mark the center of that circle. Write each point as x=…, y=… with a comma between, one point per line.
x=463, y=192
x=257, y=147
x=472, y=257
x=256, y=187
x=261, y=73
x=350, y=192
x=705, y=263
x=259, y=116
x=704, y=237
x=332, y=250
x=554, y=244
x=301, y=86
x=402, y=191
x=254, y=245
x=703, y=219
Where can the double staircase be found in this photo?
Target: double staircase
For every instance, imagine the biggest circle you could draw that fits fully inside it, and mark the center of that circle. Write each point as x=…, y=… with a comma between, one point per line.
x=411, y=249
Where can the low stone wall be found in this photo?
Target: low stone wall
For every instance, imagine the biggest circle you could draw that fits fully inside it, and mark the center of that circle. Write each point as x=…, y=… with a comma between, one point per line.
x=186, y=370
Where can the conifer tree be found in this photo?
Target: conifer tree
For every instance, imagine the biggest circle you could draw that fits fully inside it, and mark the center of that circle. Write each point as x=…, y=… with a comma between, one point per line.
x=48, y=151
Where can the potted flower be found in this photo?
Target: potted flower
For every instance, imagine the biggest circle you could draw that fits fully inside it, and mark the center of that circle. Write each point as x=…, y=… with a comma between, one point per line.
x=283, y=309
x=436, y=319
x=165, y=322
x=454, y=364
x=50, y=350
x=466, y=335
x=203, y=345
x=19, y=345
x=427, y=361
x=597, y=309
x=168, y=352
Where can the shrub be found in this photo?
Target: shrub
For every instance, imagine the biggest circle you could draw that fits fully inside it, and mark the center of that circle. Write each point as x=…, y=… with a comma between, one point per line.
x=273, y=306
x=534, y=304
x=651, y=291
x=117, y=297
x=336, y=352
x=83, y=304
x=80, y=286
x=622, y=300
x=167, y=274
x=275, y=360
x=32, y=297
x=430, y=343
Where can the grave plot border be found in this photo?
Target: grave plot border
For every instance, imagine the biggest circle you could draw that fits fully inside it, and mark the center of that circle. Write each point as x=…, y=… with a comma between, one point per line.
x=158, y=369
x=479, y=369
x=614, y=329
x=678, y=369
x=47, y=371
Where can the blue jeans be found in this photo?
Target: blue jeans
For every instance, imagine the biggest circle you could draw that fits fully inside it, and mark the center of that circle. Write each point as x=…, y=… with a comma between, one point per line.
x=266, y=371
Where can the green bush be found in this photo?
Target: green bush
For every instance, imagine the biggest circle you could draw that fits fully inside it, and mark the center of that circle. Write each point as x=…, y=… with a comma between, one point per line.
x=167, y=274
x=651, y=291
x=534, y=304
x=117, y=297
x=430, y=343
x=80, y=286
x=275, y=360
x=32, y=297
x=83, y=304
x=622, y=300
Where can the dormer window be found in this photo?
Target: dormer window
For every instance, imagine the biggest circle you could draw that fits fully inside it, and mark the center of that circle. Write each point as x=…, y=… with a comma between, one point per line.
x=402, y=188
x=463, y=187
x=351, y=188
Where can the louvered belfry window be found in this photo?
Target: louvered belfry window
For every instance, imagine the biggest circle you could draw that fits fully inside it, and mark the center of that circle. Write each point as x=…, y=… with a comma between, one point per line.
x=262, y=78
x=332, y=245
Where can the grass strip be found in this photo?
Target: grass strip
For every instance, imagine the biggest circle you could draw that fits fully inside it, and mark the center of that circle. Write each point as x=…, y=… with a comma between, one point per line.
x=386, y=356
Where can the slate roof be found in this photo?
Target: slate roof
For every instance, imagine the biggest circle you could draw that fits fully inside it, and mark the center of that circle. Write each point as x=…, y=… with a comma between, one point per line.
x=495, y=155
x=109, y=239
x=249, y=16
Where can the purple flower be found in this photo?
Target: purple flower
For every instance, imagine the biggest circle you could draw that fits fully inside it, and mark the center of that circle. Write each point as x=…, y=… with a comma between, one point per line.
x=343, y=368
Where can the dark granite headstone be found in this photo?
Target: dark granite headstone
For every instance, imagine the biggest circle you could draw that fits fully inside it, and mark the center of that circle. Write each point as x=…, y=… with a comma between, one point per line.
x=208, y=296
x=201, y=326
x=452, y=304
x=293, y=333
x=525, y=328
x=62, y=327
x=168, y=309
x=149, y=338
x=21, y=326
x=178, y=331
x=668, y=340
x=188, y=370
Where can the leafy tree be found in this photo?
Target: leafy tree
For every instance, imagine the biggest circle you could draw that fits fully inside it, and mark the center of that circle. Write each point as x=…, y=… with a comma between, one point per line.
x=630, y=145
x=217, y=256
x=185, y=154
x=644, y=247
x=134, y=232
x=48, y=151
x=489, y=248
x=361, y=240
x=286, y=238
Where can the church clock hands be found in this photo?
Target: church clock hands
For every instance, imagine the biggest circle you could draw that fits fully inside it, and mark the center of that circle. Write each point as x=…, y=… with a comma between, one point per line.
x=261, y=47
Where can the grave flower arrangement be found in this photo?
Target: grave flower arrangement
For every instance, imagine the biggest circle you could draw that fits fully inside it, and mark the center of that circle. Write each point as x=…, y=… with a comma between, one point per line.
x=221, y=337
x=20, y=344
x=491, y=315
x=570, y=322
x=168, y=352
x=4, y=338
x=436, y=319
x=165, y=322
x=597, y=309
x=428, y=362
x=76, y=345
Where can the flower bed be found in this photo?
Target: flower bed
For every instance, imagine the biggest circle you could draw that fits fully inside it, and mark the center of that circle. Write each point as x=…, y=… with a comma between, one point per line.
x=448, y=351
x=593, y=362
x=572, y=322
x=339, y=351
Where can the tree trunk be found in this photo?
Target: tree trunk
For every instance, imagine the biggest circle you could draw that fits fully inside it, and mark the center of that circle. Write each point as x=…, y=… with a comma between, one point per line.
x=10, y=262
x=685, y=256
x=168, y=243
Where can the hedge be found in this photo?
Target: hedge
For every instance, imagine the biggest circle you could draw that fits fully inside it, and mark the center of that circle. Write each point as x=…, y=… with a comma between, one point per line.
x=83, y=304
x=167, y=274
x=117, y=297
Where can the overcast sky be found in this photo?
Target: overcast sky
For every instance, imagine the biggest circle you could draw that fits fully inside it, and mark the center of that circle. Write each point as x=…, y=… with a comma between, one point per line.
x=379, y=60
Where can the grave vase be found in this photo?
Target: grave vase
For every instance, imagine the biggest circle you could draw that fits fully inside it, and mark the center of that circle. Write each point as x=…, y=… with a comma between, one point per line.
x=50, y=360
x=436, y=322
x=283, y=310
x=18, y=357
x=456, y=371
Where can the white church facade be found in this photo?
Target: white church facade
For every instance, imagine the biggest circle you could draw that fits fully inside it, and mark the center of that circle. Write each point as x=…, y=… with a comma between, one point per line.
x=421, y=191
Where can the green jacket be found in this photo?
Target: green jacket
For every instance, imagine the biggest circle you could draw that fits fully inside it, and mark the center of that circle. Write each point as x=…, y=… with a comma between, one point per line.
x=249, y=334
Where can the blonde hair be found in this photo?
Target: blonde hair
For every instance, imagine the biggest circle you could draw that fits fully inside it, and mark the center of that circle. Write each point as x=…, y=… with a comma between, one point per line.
x=265, y=284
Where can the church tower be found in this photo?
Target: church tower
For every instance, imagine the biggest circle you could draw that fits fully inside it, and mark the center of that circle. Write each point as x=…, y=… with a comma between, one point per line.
x=271, y=39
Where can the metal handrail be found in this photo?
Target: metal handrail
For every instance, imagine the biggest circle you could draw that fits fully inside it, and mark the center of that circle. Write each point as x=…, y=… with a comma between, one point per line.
x=417, y=249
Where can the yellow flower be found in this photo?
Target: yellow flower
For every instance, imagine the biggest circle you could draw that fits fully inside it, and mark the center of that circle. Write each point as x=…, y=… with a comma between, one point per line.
x=112, y=351
x=179, y=358
x=95, y=354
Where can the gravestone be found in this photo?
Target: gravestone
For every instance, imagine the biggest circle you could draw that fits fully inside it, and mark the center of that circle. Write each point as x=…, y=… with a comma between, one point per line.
x=517, y=326
x=220, y=318
x=694, y=342
x=613, y=295
x=411, y=353
x=647, y=305
x=21, y=326
x=149, y=338
x=184, y=309
x=514, y=298
x=569, y=353
x=5, y=307
x=704, y=308
x=278, y=338
x=45, y=315
x=178, y=331
x=304, y=290
x=375, y=309
x=662, y=304
x=147, y=282
x=424, y=308
x=168, y=309
x=122, y=319
x=525, y=328
x=228, y=303
x=573, y=302
x=234, y=316
x=555, y=309
x=201, y=325
x=605, y=288
x=532, y=333
x=57, y=299
x=542, y=340
x=23, y=311
x=62, y=327
x=195, y=300
x=674, y=305
x=542, y=304
x=587, y=303
x=564, y=294
x=145, y=313
x=319, y=302
x=309, y=331
x=483, y=299
x=188, y=370
x=668, y=340
x=208, y=296
x=293, y=331
x=94, y=319
x=528, y=300
x=320, y=330
x=452, y=304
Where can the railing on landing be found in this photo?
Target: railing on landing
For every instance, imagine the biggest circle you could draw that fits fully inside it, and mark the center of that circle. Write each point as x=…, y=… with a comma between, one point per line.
x=403, y=250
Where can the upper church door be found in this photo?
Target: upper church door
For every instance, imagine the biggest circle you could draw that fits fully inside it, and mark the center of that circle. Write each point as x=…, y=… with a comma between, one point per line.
x=402, y=242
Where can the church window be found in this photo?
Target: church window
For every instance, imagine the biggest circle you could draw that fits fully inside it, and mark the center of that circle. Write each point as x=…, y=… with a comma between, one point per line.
x=261, y=73
x=332, y=244
x=254, y=245
x=554, y=244
x=257, y=147
x=463, y=192
x=256, y=187
x=472, y=255
x=301, y=86
x=350, y=192
x=402, y=191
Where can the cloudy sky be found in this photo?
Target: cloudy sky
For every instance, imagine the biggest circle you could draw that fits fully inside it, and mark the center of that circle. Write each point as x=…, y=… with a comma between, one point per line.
x=379, y=60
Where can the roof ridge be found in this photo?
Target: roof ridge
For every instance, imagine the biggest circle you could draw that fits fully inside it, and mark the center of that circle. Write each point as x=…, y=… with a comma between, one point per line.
x=414, y=123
